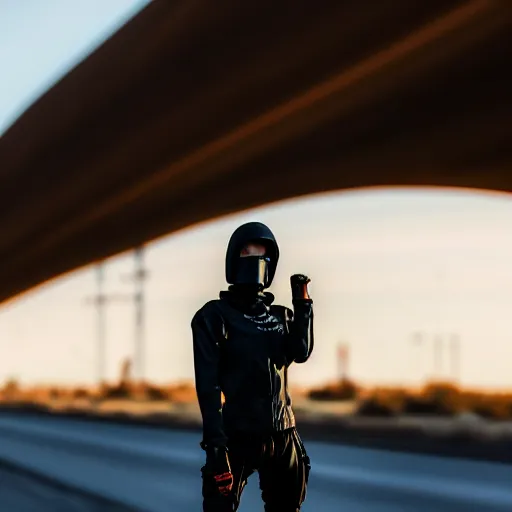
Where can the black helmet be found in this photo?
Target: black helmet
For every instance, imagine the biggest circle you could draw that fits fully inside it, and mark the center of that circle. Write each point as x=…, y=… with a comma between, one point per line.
x=265, y=266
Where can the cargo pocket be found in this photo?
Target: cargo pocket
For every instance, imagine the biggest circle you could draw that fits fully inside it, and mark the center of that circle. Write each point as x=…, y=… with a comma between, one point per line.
x=306, y=465
x=204, y=483
x=209, y=488
x=307, y=468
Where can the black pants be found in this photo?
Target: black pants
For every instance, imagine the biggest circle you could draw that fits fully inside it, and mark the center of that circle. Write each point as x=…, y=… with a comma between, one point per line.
x=283, y=467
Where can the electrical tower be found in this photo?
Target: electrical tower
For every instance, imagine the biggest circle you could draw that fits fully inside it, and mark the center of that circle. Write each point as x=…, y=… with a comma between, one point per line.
x=100, y=300
x=139, y=278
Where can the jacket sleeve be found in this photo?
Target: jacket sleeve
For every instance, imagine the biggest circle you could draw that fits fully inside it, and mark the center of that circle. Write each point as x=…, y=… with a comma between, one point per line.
x=207, y=330
x=300, y=340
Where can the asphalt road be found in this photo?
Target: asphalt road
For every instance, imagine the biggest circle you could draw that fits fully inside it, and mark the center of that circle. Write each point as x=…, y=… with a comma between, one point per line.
x=158, y=471
x=22, y=491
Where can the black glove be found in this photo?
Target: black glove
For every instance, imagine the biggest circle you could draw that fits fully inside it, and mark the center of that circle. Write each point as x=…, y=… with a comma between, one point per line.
x=299, y=284
x=217, y=464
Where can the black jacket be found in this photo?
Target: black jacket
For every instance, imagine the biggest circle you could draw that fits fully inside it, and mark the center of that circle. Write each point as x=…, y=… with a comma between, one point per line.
x=243, y=347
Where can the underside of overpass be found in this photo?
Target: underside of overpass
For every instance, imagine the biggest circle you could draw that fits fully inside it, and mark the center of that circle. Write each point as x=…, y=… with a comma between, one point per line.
x=191, y=112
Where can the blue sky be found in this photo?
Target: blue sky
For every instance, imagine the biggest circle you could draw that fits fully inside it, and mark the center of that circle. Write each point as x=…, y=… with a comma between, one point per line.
x=41, y=40
x=384, y=263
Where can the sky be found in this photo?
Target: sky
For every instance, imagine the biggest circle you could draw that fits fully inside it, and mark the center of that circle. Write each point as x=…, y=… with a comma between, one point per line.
x=385, y=263
x=41, y=40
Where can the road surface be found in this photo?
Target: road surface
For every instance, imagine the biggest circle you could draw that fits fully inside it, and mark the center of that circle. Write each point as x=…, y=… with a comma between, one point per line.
x=153, y=470
x=21, y=491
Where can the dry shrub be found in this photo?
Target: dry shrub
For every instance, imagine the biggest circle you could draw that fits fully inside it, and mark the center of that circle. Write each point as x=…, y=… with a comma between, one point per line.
x=54, y=393
x=442, y=392
x=340, y=391
x=39, y=394
x=154, y=393
x=134, y=391
x=497, y=407
x=436, y=398
x=382, y=402
x=451, y=399
x=427, y=406
x=116, y=392
x=80, y=393
x=184, y=392
x=11, y=389
x=373, y=406
x=394, y=398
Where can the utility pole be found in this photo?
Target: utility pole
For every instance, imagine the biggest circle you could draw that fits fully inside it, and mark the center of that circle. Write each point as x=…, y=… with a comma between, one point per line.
x=417, y=341
x=455, y=357
x=139, y=277
x=100, y=300
x=438, y=340
x=438, y=355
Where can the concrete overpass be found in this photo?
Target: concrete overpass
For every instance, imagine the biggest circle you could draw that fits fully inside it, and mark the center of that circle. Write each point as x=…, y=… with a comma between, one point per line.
x=192, y=111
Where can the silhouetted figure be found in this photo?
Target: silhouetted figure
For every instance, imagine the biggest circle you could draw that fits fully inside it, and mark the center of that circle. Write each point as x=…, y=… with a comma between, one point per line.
x=243, y=346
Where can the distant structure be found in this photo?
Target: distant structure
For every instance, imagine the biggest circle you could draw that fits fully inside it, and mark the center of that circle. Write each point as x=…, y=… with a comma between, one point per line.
x=126, y=371
x=343, y=352
x=455, y=357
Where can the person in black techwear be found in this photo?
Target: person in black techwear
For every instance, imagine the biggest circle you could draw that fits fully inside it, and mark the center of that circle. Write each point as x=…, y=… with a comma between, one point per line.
x=243, y=346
